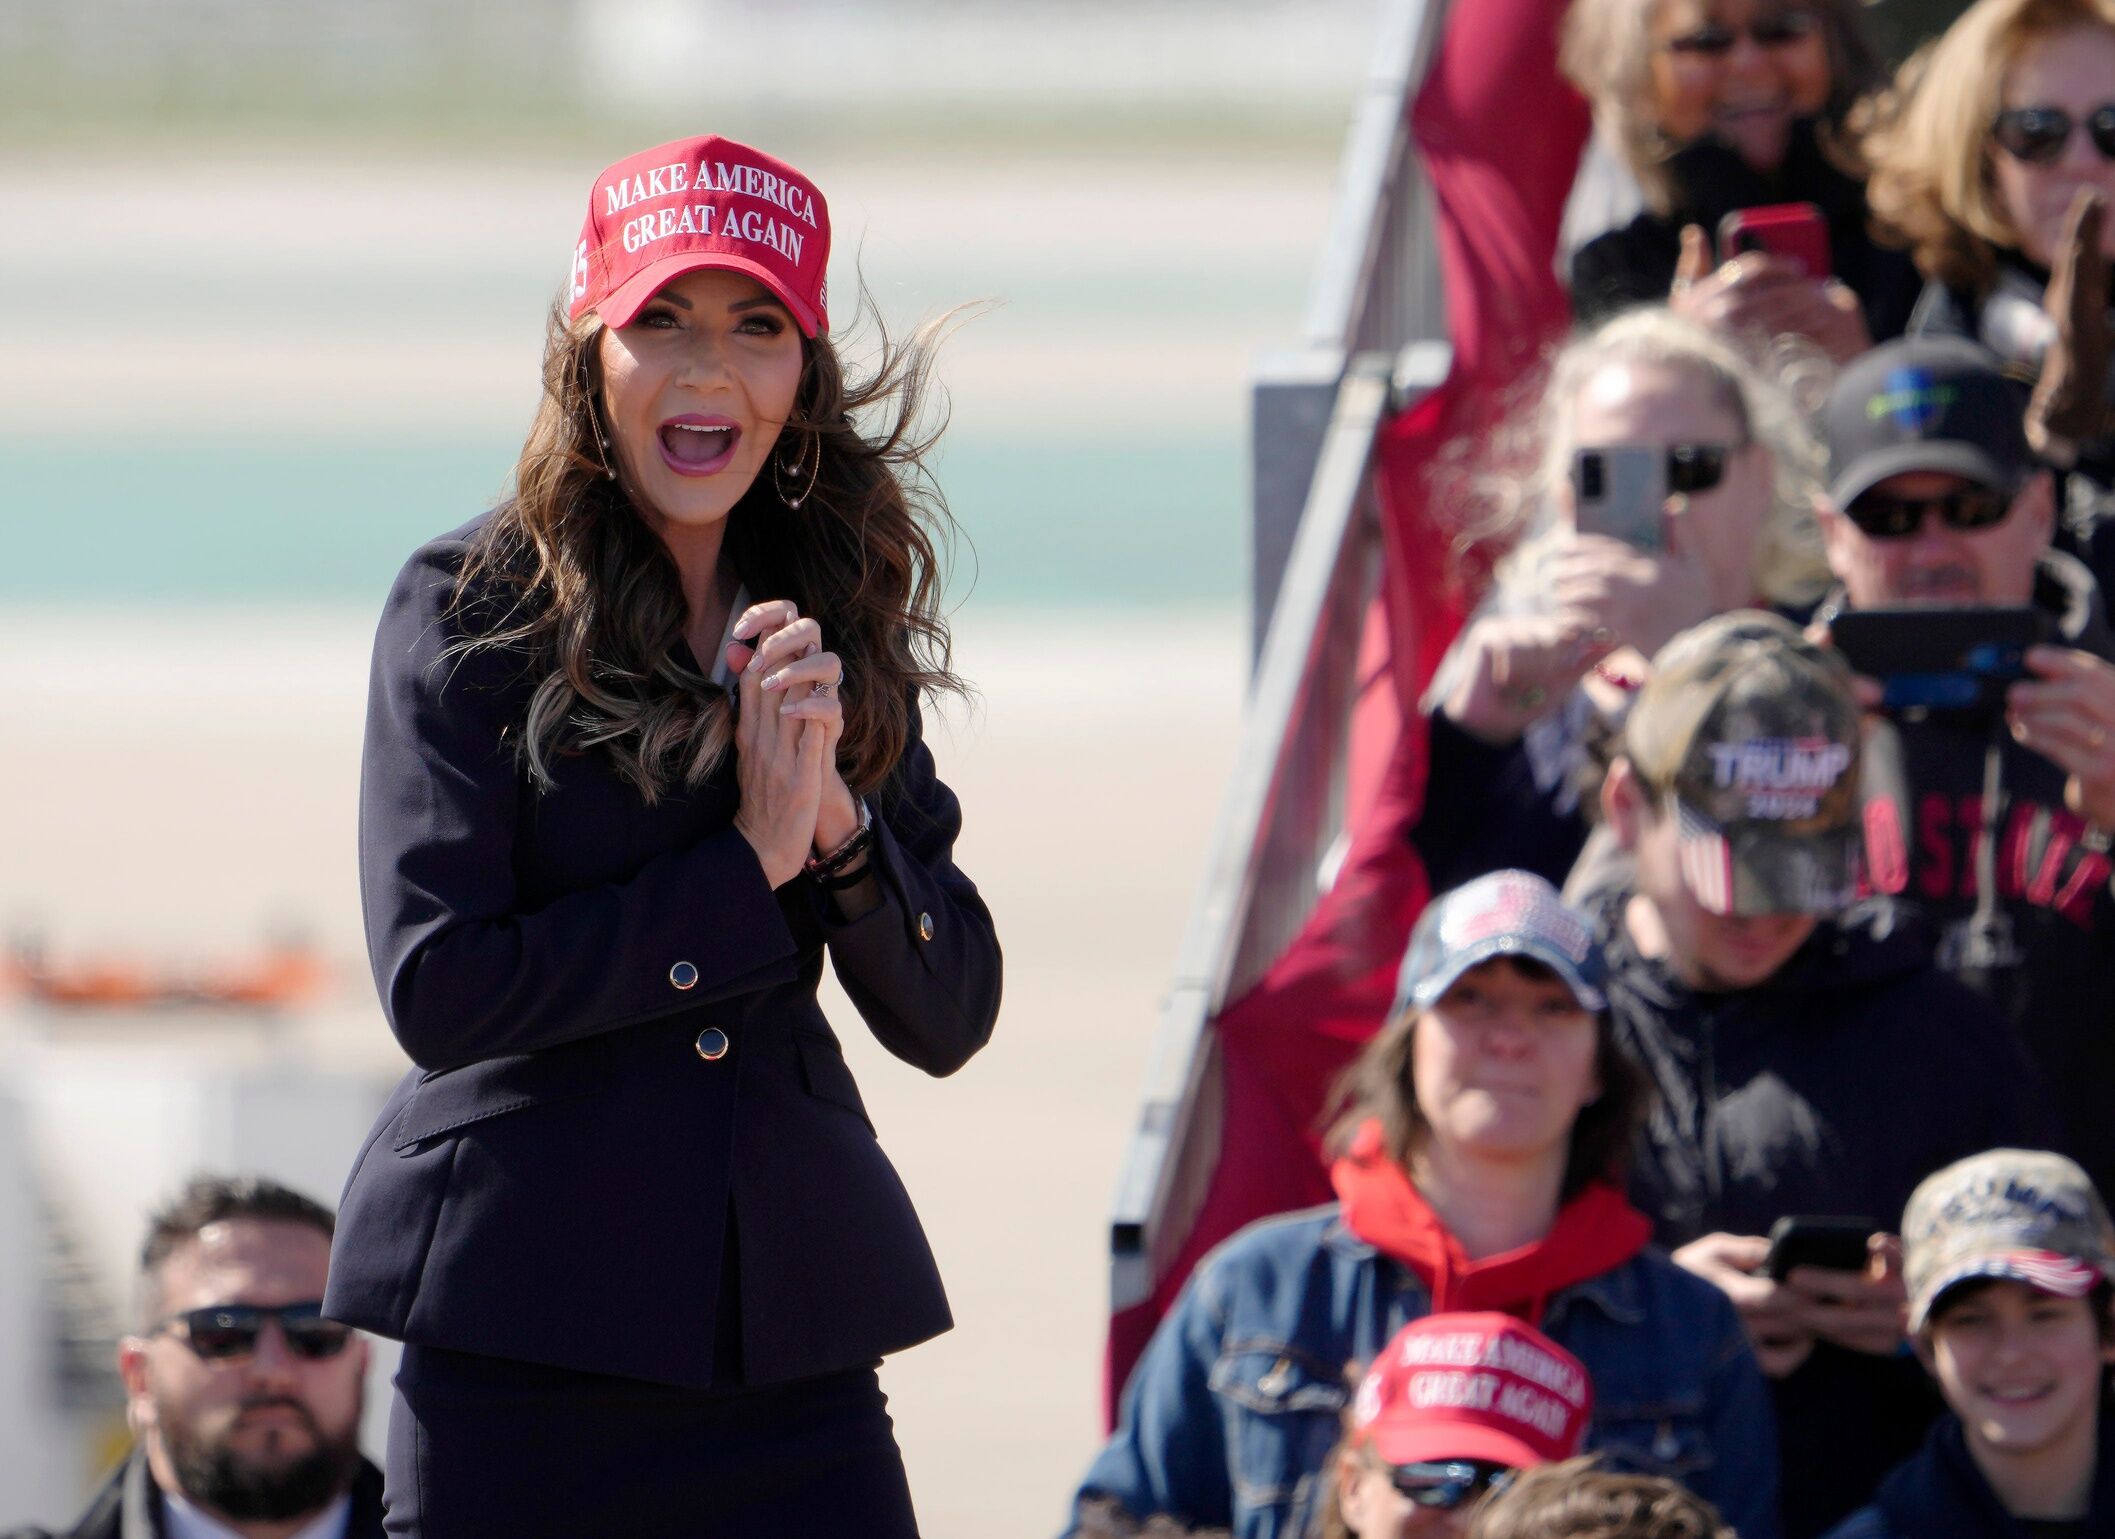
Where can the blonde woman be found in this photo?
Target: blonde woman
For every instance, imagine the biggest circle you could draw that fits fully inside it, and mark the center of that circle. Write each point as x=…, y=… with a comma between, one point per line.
x=1987, y=159
x=1717, y=105
x=1543, y=672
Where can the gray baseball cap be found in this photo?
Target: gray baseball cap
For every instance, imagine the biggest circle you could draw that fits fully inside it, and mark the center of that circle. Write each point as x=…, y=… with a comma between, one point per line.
x=1924, y=403
x=2024, y=1215
x=1507, y=913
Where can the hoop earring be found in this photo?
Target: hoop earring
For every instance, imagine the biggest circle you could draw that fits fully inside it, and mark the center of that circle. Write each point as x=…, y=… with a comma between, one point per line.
x=780, y=469
x=587, y=395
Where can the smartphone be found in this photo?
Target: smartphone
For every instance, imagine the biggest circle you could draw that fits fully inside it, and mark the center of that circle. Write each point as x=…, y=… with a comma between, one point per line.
x=1620, y=490
x=1839, y=1244
x=1941, y=659
x=1797, y=232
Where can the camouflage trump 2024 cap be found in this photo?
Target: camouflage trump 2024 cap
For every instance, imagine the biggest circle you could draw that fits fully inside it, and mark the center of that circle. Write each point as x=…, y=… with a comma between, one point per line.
x=2022, y=1215
x=1751, y=732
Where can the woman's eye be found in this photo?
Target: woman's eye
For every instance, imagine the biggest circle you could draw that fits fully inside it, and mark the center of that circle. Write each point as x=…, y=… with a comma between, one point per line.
x=657, y=319
x=762, y=325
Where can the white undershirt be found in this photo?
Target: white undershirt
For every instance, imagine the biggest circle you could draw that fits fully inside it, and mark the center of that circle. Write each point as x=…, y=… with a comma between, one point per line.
x=188, y=1522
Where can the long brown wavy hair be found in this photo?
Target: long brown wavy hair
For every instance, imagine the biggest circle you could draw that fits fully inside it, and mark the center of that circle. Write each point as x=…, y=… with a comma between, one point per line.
x=567, y=572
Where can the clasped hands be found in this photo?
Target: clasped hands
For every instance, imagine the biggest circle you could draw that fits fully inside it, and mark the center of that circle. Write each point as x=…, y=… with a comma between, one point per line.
x=1862, y=1311
x=793, y=800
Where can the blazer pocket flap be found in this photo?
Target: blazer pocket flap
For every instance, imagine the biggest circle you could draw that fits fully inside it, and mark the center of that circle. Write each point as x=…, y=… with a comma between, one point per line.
x=826, y=1074
x=1274, y=1380
x=455, y=1098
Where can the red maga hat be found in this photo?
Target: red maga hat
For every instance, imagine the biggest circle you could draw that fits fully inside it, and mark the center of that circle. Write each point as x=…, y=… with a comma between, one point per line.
x=696, y=203
x=1473, y=1386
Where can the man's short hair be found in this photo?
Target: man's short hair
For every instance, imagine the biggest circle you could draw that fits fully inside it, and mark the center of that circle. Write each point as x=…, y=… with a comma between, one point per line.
x=209, y=1199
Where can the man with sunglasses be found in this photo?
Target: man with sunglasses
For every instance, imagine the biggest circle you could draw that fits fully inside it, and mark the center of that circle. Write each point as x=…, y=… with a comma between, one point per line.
x=1444, y=1416
x=2000, y=824
x=245, y=1400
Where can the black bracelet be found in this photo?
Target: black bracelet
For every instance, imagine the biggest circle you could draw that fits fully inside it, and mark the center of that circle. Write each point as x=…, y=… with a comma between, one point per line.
x=836, y=860
x=844, y=881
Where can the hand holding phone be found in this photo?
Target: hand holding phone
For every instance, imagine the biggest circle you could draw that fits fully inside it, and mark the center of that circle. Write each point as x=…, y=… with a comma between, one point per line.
x=1950, y=660
x=1797, y=233
x=1833, y=1244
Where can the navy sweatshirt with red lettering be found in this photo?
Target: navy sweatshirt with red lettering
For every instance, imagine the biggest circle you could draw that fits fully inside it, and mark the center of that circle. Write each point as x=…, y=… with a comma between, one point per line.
x=2016, y=885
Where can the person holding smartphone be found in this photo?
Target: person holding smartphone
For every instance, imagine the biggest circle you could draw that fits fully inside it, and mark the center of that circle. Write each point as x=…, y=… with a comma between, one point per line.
x=1997, y=823
x=1669, y=480
x=1717, y=106
x=1809, y=1059
x=1994, y=163
x=643, y=744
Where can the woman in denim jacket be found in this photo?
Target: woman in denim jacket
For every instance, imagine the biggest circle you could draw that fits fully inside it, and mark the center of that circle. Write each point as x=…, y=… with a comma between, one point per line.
x=1479, y=1157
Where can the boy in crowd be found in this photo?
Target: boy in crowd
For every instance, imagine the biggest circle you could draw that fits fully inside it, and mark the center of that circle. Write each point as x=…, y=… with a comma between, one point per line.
x=2008, y=1256
x=2001, y=831
x=1809, y=1058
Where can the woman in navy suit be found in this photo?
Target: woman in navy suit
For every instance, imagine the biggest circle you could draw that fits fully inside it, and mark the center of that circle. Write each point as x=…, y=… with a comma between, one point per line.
x=642, y=742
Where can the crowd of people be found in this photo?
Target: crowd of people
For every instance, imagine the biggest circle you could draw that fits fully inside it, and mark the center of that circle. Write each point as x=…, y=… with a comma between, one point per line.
x=1754, y=1054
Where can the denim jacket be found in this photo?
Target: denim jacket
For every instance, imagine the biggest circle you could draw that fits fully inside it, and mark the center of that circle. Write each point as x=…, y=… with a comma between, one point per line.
x=1236, y=1403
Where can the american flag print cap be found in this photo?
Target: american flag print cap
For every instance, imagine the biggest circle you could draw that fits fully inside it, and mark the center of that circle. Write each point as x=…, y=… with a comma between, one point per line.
x=1506, y=913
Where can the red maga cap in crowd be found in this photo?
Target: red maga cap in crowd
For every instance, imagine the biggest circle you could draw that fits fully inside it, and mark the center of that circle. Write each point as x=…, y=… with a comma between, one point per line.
x=696, y=203
x=1473, y=1386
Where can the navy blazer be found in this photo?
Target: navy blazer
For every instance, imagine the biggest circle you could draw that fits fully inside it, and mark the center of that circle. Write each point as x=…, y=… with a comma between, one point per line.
x=614, y=1023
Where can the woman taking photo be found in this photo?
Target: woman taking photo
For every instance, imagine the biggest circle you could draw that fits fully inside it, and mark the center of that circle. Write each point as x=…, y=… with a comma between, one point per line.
x=1718, y=105
x=642, y=742
x=1523, y=706
x=1478, y=1167
x=1981, y=158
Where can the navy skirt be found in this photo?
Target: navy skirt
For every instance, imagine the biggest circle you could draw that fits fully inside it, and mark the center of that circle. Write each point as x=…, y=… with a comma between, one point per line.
x=482, y=1445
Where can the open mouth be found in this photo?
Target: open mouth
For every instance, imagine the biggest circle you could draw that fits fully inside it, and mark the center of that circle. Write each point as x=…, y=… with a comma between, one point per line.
x=698, y=446
x=2019, y=1395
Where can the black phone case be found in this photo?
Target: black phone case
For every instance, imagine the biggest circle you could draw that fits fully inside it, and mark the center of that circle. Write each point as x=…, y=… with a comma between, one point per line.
x=1940, y=659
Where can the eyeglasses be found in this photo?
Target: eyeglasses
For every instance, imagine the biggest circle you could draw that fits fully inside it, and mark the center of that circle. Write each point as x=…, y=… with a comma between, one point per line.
x=220, y=1332
x=1448, y=1483
x=1881, y=517
x=1715, y=39
x=2038, y=135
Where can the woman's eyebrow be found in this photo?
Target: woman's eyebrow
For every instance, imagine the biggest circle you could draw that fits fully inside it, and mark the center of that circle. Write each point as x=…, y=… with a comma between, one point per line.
x=672, y=297
x=759, y=302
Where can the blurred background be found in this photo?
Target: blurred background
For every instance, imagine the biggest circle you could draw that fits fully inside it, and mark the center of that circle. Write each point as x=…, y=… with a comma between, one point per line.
x=281, y=273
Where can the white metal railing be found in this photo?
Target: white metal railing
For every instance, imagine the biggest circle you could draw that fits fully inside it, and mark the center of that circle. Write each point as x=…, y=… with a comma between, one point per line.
x=1370, y=337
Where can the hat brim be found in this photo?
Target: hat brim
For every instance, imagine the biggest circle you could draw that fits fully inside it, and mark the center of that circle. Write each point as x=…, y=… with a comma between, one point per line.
x=2067, y=1277
x=1429, y=1443
x=625, y=301
x=1947, y=456
x=1425, y=993
x=1752, y=869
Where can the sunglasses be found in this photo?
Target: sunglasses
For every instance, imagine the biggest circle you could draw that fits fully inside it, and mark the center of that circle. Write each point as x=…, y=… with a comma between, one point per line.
x=2038, y=135
x=1449, y=1483
x=1881, y=517
x=1715, y=39
x=220, y=1332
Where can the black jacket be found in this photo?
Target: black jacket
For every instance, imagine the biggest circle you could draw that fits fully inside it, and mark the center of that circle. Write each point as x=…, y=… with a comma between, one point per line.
x=620, y=1055
x=1831, y=1090
x=1939, y=1493
x=1635, y=265
x=129, y=1507
x=2041, y=945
